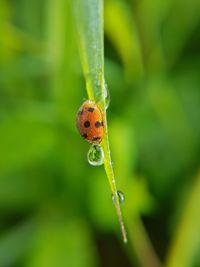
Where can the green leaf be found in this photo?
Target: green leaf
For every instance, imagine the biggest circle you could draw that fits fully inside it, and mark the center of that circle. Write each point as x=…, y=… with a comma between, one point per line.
x=89, y=18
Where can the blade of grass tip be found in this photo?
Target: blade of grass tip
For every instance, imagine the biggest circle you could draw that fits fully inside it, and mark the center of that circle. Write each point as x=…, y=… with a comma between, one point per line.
x=89, y=20
x=111, y=178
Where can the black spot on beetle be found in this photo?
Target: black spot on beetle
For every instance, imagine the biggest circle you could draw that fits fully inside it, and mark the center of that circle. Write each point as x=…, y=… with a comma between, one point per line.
x=102, y=124
x=85, y=136
x=86, y=124
x=96, y=138
x=90, y=109
x=97, y=124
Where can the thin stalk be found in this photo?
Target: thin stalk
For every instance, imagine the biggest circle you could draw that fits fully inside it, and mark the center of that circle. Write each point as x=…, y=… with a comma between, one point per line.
x=111, y=179
x=89, y=20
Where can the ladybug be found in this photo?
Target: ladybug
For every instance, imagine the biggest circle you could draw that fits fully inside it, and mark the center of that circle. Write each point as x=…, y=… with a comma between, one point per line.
x=89, y=122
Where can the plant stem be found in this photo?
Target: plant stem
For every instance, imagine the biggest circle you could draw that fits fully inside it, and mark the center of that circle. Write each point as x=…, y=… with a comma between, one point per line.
x=111, y=179
x=89, y=20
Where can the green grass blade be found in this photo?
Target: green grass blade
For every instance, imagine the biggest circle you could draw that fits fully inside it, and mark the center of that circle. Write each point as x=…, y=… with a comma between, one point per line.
x=185, y=245
x=89, y=18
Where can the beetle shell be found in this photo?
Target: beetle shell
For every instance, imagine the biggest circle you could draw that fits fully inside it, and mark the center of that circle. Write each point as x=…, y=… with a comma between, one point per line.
x=89, y=122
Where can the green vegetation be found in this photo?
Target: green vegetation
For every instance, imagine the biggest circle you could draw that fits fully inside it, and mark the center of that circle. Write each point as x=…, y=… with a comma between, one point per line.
x=56, y=209
x=89, y=20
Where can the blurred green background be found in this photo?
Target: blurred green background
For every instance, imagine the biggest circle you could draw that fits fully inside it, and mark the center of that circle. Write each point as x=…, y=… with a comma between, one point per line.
x=55, y=209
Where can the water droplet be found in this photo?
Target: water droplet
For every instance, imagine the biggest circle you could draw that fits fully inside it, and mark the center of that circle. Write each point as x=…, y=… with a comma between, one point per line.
x=107, y=95
x=95, y=155
x=121, y=197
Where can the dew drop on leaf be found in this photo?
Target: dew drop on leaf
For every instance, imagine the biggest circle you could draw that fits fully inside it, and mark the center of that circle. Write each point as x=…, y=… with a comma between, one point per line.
x=107, y=95
x=95, y=155
x=120, y=195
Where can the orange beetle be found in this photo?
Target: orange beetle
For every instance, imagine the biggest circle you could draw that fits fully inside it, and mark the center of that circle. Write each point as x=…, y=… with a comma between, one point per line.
x=89, y=122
